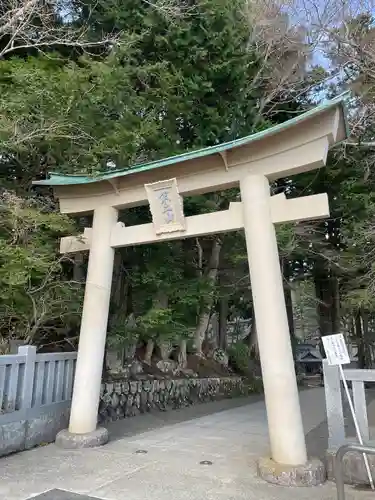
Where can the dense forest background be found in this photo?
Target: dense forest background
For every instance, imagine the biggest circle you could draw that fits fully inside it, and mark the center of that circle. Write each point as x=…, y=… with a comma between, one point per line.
x=92, y=86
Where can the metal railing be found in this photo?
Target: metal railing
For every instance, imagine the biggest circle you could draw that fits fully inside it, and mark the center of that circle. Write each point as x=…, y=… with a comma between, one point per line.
x=339, y=472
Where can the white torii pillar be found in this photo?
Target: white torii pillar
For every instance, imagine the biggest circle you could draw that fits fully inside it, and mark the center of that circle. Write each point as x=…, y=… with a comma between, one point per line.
x=83, y=429
x=286, y=433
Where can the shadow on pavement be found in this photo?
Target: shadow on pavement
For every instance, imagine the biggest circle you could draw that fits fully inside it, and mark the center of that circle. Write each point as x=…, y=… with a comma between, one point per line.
x=158, y=419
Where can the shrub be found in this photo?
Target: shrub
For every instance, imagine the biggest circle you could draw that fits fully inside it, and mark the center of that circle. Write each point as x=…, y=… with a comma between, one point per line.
x=239, y=355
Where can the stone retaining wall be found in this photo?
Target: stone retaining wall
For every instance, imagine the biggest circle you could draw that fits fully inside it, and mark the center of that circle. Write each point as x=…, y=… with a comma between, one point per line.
x=118, y=400
x=123, y=399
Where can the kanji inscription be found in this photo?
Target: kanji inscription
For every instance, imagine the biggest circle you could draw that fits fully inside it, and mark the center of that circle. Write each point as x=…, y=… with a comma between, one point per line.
x=166, y=206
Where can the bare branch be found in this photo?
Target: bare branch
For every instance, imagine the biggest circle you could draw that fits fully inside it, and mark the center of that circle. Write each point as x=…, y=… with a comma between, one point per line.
x=26, y=24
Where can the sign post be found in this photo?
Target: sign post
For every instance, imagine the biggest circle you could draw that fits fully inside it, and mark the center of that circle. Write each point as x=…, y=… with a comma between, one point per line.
x=337, y=354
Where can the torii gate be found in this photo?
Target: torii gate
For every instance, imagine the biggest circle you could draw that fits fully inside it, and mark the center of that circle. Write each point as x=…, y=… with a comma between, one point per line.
x=298, y=145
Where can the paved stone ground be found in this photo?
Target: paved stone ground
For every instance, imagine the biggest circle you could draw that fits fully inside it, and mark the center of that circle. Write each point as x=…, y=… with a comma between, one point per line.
x=159, y=458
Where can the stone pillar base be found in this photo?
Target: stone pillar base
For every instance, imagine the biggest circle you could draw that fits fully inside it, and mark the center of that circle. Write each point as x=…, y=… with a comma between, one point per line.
x=353, y=465
x=313, y=473
x=71, y=441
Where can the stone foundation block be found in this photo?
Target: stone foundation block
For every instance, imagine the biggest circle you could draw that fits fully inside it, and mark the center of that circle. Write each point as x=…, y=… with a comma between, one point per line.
x=70, y=441
x=313, y=473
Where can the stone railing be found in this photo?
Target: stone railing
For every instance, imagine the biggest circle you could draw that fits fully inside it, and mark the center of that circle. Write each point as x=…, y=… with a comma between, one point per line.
x=341, y=430
x=35, y=394
x=125, y=398
x=335, y=402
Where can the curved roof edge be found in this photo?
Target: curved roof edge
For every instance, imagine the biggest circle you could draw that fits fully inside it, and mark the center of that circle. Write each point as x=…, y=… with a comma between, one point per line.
x=56, y=179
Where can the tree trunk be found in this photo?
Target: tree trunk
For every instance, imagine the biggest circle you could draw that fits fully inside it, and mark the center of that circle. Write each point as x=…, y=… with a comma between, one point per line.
x=223, y=321
x=119, y=300
x=78, y=267
x=253, y=340
x=118, y=283
x=289, y=309
x=288, y=294
x=320, y=281
x=182, y=355
x=361, y=337
x=359, y=340
x=161, y=302
x=204, y=319
x=335, y=294
x=328, y=295
x=165, y=350
x=200, y=332
x=322, y=291
x=211, y=336
x=149, y=351
x=365, y=338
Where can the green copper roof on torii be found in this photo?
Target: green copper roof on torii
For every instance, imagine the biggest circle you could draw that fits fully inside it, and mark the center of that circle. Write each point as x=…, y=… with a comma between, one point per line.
x=56, y=179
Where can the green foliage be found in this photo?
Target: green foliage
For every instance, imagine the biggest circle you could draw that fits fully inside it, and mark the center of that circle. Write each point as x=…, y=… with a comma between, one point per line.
x=239, y=357
x=168, y=86
x=286, y=238
x=254, y=385
x=32, y=291
x=359, y=299
x=162, y=271
x=171, y=84
x=187, y=296
x=212, y=66
x=123, y=331
x=157, y=324
x=75, y=117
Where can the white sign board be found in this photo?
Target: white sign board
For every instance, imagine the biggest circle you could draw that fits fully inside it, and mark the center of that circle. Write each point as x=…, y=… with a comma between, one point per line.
x=166, y=206
x=336, y=350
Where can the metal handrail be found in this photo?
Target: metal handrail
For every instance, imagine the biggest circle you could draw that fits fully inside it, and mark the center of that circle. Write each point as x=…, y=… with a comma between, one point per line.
x=339, y=474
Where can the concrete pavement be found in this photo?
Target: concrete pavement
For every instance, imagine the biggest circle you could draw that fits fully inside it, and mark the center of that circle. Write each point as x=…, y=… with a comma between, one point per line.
x=212, y=456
